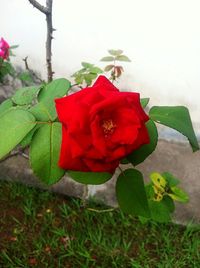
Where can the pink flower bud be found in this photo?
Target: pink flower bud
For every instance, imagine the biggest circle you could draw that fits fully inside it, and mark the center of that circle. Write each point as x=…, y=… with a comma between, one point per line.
x=4, y=49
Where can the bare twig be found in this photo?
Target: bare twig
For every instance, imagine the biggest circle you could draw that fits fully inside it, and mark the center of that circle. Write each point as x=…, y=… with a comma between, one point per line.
x=48, y=12
x=26, y=63
x=31, y=71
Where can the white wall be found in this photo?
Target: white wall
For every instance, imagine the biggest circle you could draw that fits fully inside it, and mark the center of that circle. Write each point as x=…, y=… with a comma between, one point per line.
x=162, y=37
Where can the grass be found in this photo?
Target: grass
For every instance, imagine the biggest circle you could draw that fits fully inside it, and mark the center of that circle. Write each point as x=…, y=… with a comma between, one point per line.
x=41, y=229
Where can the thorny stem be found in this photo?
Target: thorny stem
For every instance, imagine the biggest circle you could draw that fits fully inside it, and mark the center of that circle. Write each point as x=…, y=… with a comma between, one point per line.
x=48, y=12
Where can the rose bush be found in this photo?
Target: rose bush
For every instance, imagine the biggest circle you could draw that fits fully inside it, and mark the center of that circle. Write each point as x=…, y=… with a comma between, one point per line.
x=4, y=49
x=100, y=126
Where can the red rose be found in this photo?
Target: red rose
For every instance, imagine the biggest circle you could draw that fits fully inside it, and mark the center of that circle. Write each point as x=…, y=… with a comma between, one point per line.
x=100, y=126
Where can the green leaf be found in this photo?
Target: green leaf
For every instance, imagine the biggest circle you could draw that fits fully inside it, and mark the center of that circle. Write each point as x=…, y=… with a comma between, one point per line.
x=159, y=211
x=55, y=89
x=7, y=68
x=115, y=52
x=28, y=138
x=5, y=105
x=179, y=195
x=79, y=79
x=144, y=102
x=169, y=203
x=87, y=65
x=14, y=46
x=131, y=194
x=95, y=70
x=15, y=124
x=124, y=161
x=108, y=58
x=44, y=111
x=178, y=118
x=122, y=58
x=25, y=77
x=149, y=190
x=139, y=155
x=171, y=180
x=25, y=95
x=93, y=178
x=80, y=72
x=44, y=153
x=109, y=67
x=89, y=78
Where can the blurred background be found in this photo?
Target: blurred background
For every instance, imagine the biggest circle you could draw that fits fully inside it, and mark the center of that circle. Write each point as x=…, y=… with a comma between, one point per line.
x=162, y=38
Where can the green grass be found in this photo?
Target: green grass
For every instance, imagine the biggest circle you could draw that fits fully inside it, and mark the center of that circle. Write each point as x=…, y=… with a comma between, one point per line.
x=41, y=229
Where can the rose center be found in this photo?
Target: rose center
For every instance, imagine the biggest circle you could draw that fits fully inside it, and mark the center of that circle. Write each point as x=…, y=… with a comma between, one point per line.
x=108, y=126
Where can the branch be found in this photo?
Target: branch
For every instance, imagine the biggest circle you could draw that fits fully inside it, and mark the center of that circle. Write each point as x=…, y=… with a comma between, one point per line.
x=48, y=12
x=41, y=8
x=49, y=39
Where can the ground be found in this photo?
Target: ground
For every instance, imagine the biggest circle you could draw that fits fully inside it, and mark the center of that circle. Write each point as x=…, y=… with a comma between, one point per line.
x=41, y=229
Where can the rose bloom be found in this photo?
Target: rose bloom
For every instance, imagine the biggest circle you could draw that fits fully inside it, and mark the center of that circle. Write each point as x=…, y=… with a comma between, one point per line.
x=100, y=126
x=4, y=49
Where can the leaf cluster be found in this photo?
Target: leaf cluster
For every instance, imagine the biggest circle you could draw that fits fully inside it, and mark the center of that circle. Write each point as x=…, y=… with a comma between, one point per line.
x=29, y=118
x=114, y=69
x=87, y=74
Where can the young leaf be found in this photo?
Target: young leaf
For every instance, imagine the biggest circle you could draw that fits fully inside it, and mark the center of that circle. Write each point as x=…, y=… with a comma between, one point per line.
x=89, y=78
x=15, y=124
x=14, y=47
x=86, y=65
x=95, y=70
x=115, y=52
x=139, y=155
x=122, y=58
x=108, y=58
x=158, y=180
x=131, y=194
x=171, y=180
x=93, y=178
x=178, y=118
x=144, y=102
x=25, y=95
x=44, y=153
x=109, y=67
x=79, y=79
x=5, y=105
x=118, y=71
x=179, y=195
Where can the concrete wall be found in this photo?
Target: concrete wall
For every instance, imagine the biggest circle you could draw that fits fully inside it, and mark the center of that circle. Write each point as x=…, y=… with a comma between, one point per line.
x=161, y=37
